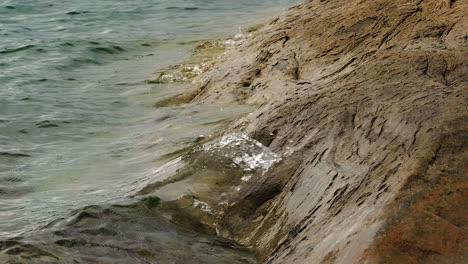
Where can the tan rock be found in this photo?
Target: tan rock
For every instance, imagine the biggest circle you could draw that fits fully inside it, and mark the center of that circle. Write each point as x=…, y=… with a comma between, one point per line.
x=366, y=101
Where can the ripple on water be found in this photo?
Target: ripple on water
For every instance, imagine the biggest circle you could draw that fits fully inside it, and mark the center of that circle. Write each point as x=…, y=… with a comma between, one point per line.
x=13, y=50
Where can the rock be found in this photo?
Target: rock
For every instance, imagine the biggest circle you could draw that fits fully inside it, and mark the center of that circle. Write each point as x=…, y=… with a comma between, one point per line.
x=365, y=100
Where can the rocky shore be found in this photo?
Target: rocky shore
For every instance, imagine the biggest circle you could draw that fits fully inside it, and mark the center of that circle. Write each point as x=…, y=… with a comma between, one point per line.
x=365, y=103
x=355, y=150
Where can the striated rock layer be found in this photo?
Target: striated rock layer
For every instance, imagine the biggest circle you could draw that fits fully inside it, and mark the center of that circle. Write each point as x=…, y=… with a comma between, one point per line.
x=366, y=101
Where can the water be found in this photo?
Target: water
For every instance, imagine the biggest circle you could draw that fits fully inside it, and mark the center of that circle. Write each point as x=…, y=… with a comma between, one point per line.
x=77, y=122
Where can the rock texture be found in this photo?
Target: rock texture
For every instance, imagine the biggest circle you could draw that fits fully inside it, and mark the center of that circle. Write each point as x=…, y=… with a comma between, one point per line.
x=366, y=100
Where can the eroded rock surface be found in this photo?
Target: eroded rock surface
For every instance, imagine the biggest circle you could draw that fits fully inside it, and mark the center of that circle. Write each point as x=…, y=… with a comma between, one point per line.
x=365, y=101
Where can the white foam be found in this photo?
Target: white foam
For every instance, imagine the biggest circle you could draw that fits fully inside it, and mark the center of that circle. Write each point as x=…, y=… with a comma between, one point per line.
x=202, y=206
x=244, y=151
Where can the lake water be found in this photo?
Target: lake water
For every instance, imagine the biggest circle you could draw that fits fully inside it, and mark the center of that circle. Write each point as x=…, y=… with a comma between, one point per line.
x=78, y=126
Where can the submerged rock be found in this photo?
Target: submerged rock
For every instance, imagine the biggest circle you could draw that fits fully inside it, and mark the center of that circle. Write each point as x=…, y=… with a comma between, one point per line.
x=205, y=183
x=133, y=233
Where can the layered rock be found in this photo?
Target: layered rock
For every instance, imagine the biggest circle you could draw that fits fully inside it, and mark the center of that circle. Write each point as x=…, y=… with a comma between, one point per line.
x=365, y=100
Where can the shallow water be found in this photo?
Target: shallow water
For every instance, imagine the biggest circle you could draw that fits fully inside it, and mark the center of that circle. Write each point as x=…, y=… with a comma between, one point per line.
x=77, y=122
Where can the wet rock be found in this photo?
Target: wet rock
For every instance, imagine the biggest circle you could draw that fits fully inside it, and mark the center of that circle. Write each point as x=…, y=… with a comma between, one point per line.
x=203, y=183
x=131, y=233
x=365, y=102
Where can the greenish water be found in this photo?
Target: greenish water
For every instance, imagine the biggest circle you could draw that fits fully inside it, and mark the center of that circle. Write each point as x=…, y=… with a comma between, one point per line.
x=77, y=122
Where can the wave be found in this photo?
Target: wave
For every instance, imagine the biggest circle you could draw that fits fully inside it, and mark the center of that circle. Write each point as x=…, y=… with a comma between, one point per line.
x=14, y=155
x=72, y=13
x=183, y=8
x=17, y=49
x=108, y=50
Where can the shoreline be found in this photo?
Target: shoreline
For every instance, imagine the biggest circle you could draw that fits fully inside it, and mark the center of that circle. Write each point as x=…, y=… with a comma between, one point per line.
x=87, y=230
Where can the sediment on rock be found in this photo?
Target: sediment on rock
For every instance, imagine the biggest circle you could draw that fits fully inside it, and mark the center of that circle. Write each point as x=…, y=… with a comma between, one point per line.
x=365, y=100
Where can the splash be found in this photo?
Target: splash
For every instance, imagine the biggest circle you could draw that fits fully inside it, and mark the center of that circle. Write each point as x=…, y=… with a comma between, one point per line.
x=245, y=152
